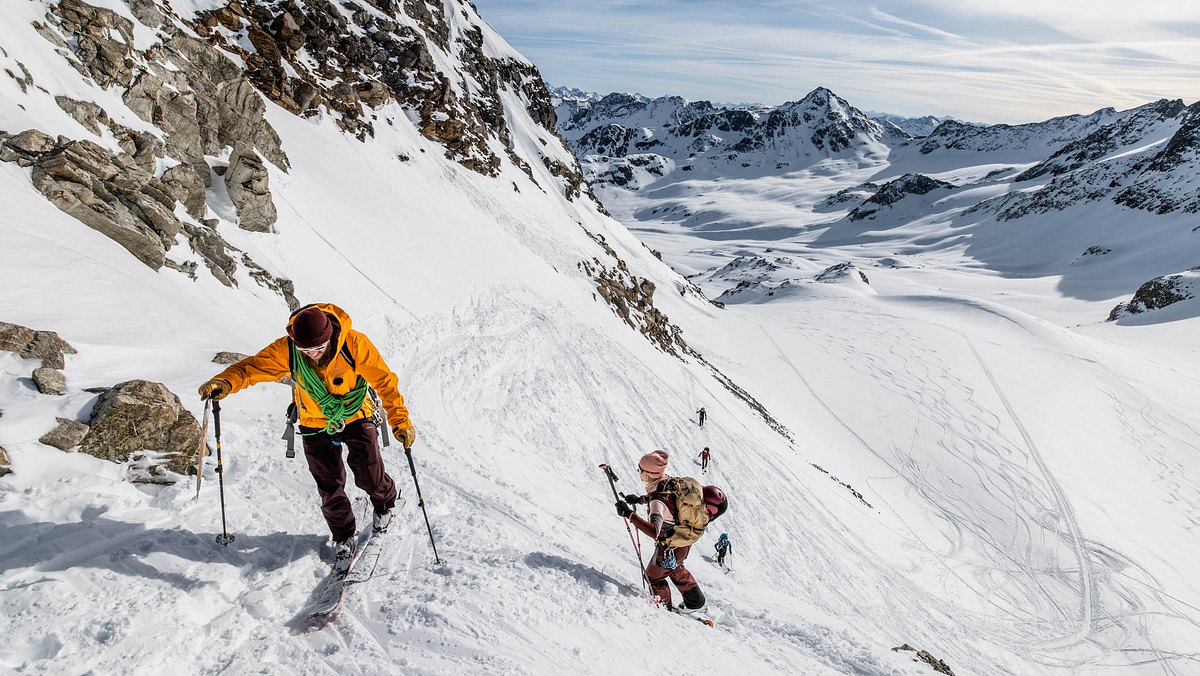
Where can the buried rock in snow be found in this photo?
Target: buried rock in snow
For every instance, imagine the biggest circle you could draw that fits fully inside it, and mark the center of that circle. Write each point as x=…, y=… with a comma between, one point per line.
x=144, y=422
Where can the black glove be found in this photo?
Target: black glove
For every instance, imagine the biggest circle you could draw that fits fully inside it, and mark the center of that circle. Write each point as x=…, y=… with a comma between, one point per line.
x=635, y=499
x=623, y=509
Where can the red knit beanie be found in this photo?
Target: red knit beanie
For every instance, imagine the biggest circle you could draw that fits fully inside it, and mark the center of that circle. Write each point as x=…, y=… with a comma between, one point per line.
x=653, y=465
x=310, y=327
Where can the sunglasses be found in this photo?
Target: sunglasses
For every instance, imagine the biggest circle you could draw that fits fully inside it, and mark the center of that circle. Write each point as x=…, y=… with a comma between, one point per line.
x=314, y=350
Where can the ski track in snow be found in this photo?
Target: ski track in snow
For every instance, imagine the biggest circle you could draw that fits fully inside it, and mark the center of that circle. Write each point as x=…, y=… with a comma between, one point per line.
x=1060, y=592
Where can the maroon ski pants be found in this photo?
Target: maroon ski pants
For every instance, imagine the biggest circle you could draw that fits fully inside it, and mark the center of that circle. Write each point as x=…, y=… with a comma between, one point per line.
x=324, y=454
x=688, y=588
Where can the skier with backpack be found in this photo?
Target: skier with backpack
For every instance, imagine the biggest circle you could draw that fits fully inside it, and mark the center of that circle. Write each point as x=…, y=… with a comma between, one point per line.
x=723, y=548
x=679, y=509
x=702, y=414
x=333, y=367
x=704, y=455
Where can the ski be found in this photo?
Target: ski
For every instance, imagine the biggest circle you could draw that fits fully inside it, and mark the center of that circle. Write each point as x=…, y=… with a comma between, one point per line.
x=702, y=619
x=367, y=557
x=327, y=598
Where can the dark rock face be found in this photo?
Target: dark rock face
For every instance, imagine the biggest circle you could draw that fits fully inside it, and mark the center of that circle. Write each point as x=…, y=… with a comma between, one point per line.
x=894, y=191
x=30, y=344
x=841, y=271
x=1159, y=293
x=356, y=62
x=5, y=463
x=138, y=416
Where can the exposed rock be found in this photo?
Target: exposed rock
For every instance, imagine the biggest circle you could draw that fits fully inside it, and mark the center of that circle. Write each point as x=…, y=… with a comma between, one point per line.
x=248, y=184
x=283, y=287
x=896, y=190
x=47, y=346
x=5, y=463
x=924, y=656
x=187, y=88
x=840, y=271
x=139, y=416
x=1159, y=293
x=110, y=194
x=66, y=435
x=26, y=147
x=86, y=113
x=50, y=381
x=226, y=358
x=213, y=251
x=186, y=185
x=106, y=60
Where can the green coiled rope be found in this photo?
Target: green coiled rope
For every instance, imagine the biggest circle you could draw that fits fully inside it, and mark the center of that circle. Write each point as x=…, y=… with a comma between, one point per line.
x=336, y=408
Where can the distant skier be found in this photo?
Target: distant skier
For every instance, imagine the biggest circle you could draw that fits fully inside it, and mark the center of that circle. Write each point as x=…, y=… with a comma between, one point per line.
x=332, y=366
x=671, y=505
x=704, y=459
x=703, y=414
x=723, y=547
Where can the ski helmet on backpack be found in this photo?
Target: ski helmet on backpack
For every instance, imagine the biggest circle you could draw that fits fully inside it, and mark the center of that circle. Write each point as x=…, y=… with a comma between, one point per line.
x=715, y=502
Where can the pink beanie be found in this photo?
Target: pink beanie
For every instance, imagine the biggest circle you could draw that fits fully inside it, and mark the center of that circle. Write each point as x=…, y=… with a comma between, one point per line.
x=653, y=465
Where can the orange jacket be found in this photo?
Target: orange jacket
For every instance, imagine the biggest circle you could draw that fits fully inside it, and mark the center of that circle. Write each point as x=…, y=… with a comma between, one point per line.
x=272, y=363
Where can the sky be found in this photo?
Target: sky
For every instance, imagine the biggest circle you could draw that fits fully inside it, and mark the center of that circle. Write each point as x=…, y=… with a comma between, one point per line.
x=1017, y=61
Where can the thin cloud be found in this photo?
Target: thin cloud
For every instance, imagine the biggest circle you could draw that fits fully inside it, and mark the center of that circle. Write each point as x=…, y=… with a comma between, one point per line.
x=980, y=63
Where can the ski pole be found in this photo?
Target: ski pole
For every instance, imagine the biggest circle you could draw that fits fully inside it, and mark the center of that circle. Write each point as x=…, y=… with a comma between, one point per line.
x=224, y=538
x=612, y=483
x=421, y=502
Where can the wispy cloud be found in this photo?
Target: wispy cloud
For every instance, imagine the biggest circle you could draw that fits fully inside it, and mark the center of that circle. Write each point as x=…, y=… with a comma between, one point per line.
x=1021, y=61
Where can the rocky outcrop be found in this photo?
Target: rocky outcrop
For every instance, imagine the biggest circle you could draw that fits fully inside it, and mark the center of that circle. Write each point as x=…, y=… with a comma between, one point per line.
x=5, y=463
x=925, y=656
x=840, y=271
x=248, y=184
x=144, y=422
x=196, y=95
x=50, y=381
x=31, y=344
x=314, y=54
x=896, y=190
x=67, y=434
x=187, y=187
x=109, y=193
x=1159, y=293
x=632, y=299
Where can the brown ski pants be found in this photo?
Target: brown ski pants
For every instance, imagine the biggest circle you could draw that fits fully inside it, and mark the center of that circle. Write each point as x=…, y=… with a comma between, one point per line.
x=688, y=588
x=324, y=454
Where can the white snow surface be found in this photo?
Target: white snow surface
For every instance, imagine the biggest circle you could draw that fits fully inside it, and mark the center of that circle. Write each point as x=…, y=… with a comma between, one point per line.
x=1030, y=489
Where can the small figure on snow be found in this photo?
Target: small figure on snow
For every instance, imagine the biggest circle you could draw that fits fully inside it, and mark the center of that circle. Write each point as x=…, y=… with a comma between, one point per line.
x=332, y=366
x=673, y=507
x=704, y=455
x=723, y=547
x=703, y=414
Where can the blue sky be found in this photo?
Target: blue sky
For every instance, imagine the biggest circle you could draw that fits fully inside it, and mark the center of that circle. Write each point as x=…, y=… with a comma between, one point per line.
x=982, y=60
